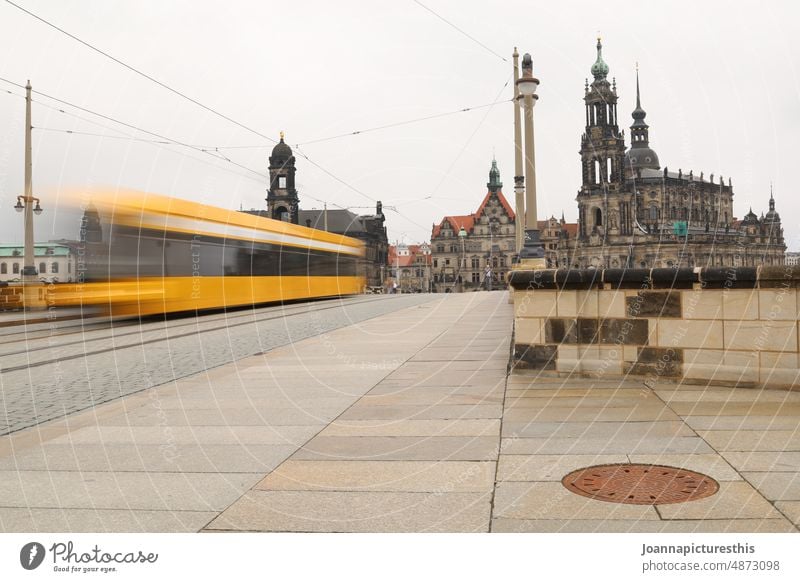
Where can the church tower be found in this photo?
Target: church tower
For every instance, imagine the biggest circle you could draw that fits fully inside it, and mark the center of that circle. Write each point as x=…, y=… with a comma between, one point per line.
x=641, y=155
x=494, y=183
x=602, y=158
x=282, y=200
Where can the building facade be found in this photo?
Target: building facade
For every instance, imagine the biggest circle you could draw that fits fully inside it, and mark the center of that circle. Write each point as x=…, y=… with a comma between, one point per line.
x=410, y=268
x=368, y=228
x=481, y=254
x=283, y=203
x=633, y=213
x=54, y=262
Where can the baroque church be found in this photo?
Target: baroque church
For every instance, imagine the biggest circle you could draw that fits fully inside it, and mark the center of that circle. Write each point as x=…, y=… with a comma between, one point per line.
x=283, y=203
x=634, y=213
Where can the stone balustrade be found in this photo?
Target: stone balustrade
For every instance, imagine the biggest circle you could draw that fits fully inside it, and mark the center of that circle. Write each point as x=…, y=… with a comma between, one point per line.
x=723, y=326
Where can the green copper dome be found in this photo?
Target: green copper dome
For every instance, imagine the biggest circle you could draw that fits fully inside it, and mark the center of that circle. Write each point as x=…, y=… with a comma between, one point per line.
x=599, y=68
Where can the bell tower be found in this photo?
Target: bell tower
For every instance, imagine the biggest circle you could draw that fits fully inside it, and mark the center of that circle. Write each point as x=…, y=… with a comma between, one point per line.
x=602, y=154
x=282, y=200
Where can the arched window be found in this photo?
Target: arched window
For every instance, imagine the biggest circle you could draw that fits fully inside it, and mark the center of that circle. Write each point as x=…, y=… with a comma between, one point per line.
x=15, y=268
x=4, y=268
x=598, y=217
x=54, y=268
x=597, y=171
x=654, y=212
x=494, y=262
x=42, y=268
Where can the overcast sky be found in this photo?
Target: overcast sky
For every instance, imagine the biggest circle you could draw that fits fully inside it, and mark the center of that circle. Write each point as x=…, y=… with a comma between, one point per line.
x=719, y=83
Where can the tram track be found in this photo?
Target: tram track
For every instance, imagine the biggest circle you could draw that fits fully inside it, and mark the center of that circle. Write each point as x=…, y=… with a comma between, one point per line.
x=230, y=321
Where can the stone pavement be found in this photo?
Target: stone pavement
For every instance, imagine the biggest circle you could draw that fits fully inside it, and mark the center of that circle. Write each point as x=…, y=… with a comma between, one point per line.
x=403, y=422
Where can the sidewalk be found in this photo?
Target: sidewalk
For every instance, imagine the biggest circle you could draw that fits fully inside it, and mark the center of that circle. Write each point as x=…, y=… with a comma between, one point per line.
x=395, y=424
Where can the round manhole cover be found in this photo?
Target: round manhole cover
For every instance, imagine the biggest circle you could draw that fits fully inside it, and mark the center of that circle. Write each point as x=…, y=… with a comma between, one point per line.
x=640, y=484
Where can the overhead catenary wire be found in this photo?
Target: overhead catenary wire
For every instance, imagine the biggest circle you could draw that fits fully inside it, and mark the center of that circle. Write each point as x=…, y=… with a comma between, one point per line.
x=135, y=128
x=469, y=36
x=161, y=142
x=216, y=153
x=138, y=72
x=180, y=94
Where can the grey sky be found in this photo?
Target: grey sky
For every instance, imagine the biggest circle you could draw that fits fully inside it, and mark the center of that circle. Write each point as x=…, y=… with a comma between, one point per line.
x=719, y=83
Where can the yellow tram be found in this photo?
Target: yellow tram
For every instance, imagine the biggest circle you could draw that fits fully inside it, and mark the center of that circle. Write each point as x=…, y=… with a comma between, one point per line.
x=143, y=254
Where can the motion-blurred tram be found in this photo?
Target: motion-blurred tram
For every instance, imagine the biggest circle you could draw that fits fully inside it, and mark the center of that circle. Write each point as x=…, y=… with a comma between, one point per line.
x=143, y=254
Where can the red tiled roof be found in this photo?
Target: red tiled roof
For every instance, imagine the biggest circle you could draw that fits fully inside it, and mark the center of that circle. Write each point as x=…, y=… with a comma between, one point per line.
x=503, y=202
x=456, y=222
x=414, y=251
x=468, y=220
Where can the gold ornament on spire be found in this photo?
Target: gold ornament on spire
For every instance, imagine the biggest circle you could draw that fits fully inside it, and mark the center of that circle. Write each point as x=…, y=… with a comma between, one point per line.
x=281, y=136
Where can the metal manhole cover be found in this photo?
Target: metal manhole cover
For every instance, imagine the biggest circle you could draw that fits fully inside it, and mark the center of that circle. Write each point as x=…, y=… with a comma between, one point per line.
x=640, y=484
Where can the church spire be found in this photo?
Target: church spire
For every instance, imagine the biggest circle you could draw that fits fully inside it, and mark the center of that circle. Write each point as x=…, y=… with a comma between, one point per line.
x=599, y=68
x=494, y=177
x=771, y=198
x=641, y=155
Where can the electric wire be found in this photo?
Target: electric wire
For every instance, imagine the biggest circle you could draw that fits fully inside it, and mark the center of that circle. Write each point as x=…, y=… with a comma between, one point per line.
x=212, y=110
x=472, y=38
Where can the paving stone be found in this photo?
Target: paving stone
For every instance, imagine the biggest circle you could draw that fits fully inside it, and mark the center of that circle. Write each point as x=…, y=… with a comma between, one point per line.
x=368, y=412
x=431, y=399
x=72, y=520
x=514, y=391
x=548, y=467
x=582, y=403
x=571, y=446
x=151, y=458
x=711, y=394
x=790, y=509
x=188, y=435
x=325, y=511
x=776, y=486
x=465, y=427
x=592, y=430
x=712, y=464
x=421, y=476
x=540, y=500
x=642, y=526
x=748, y=422
x=230, y=417
x=566, y=414
x=734, y=500
x=791, y=409
x=400, y=448
x=751, y=440
x=139, y=361
x=122, y=490
x=772, y=461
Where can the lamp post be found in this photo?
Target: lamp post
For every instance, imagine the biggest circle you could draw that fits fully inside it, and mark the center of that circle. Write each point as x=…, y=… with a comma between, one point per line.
x=527, y=85
x=31, y=206
x=519, y=179
x=490, y=256
x=462, y=234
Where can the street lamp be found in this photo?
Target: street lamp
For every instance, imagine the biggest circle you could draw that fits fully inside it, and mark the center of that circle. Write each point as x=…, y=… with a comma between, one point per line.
x=526, y=86
x=462, y=234
x=490, y=255
x=26, y=203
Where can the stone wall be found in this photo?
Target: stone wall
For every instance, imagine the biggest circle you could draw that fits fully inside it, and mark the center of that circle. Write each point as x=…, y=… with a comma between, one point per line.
x=727, y=326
